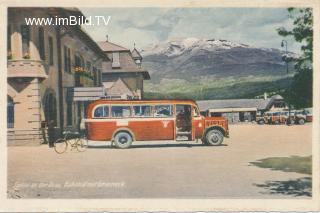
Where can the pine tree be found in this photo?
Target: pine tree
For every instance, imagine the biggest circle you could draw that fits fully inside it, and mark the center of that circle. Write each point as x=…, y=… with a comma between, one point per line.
x=299, y=93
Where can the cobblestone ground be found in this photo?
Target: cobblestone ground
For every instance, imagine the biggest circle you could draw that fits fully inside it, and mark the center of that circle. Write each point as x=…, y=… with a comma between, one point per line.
x=164, y=169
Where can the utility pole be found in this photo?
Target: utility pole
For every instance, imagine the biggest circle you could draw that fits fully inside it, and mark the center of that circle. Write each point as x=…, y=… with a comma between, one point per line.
x=285, y=43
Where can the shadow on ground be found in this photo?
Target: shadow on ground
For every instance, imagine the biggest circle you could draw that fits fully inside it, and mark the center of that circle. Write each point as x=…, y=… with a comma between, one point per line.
x=155, y=146
x=298, y=187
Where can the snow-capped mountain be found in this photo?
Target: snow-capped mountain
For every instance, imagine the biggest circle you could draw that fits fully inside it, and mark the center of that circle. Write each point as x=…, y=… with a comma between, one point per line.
x=192, y=56
x=177, y=47
x=194, y=61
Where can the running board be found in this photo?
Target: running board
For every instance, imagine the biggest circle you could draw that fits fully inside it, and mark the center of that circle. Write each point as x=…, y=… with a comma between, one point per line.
x=183, y=137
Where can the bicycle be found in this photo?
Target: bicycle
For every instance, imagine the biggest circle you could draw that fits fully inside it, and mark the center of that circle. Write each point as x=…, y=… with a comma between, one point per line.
x=75, y=140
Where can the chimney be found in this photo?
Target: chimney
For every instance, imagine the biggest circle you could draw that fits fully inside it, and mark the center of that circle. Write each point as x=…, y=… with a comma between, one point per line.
x=265, y=96
x=107, y=38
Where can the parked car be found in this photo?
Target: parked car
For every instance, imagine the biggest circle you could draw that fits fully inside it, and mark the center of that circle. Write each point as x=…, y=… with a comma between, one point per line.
x=284, y=117
x=276, y=117
x=308, y=113
x=300, y=117
x=261, y=119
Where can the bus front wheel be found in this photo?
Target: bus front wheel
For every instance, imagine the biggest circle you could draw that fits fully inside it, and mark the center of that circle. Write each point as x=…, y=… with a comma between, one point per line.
x=214, y=137
x=123, y=140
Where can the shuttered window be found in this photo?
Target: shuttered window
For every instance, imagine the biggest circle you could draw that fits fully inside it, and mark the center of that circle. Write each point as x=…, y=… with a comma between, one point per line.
x=9, y=39
x=65, y=54
x=115, y=60
x=41, y=43
x=50, y=50
x=25, y=35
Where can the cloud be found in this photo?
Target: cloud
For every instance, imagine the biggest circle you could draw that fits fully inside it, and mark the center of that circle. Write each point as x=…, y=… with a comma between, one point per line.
x=253, y=26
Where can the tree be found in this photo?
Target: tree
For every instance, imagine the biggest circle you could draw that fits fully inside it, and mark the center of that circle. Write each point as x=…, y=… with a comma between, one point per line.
x=299, y=93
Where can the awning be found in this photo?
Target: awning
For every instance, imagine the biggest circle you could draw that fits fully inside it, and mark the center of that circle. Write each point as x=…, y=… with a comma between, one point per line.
x=85, y=93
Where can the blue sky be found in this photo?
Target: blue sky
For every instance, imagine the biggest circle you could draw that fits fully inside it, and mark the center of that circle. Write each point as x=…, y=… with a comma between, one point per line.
x=149, y=26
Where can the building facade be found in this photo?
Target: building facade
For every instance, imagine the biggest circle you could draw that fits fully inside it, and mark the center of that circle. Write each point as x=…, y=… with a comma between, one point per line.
x=45, y=64
x=123, y=77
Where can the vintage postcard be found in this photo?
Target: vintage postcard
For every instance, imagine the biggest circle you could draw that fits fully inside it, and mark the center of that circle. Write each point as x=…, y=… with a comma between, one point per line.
x=149, y=106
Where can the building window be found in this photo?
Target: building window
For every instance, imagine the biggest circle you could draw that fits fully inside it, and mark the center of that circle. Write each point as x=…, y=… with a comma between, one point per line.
x=82, y=62
x=9, y=40
x=67, y=59
x=77, y=61
x=65, y=54
x=50, y=108
x=94, y=69
x=99, y=77
x=50, y=50
x=88, y=65
x=10, y=112
x=79, y=67
x=69, y=113
x=115, y=60
x=25, y=35
x=41, y=44
x=279, y=105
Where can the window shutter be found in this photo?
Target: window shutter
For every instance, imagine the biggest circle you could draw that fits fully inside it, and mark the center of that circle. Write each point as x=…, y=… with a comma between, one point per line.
x=115, y=60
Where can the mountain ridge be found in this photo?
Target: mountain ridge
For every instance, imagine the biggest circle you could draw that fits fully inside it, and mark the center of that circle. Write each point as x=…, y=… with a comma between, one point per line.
x=209, y=62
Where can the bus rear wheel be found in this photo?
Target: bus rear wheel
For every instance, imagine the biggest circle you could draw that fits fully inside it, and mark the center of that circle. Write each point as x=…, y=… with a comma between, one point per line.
x=214, y=137
x=123, y=140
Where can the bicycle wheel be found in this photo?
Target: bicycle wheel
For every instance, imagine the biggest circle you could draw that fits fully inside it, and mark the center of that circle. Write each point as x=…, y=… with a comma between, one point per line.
x=82, y=144
x=60, y=146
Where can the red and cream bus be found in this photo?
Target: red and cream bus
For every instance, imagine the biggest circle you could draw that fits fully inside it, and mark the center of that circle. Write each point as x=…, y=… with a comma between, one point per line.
x=125, y=121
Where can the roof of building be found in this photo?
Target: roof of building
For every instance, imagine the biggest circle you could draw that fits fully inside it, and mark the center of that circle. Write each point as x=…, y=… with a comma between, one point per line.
x=119, y=88
x=144, y=73
x=127, y=65
x=260, y=104
x=78, y=30
x=277, y=97
x=108, y=46
x=135, y=54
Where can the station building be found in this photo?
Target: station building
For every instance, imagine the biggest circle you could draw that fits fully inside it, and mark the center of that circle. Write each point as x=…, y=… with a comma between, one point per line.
x=241, y=110
x=53, y=72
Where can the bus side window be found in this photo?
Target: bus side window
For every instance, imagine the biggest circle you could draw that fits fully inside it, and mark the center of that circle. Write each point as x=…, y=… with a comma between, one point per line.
x=101, y=112
x=120, y=111
x=163, y=111
x=142, y=111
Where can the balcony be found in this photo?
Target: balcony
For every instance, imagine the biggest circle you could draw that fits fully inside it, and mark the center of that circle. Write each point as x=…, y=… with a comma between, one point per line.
x=83, y=78
x=23, y=68
x=86, y=81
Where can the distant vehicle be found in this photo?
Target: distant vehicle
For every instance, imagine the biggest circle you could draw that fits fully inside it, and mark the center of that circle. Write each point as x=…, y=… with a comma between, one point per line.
x=300, y=117
x=284, y=117
x=277, y=117
x=308, y=113
x=125, y=121
x=261, y=119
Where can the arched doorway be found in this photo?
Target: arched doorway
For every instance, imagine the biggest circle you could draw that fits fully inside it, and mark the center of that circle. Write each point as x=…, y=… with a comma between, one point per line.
x=10, y=112
x=50, y=107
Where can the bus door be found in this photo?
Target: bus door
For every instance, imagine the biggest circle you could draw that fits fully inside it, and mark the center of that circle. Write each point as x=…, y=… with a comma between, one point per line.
x=183, y=121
